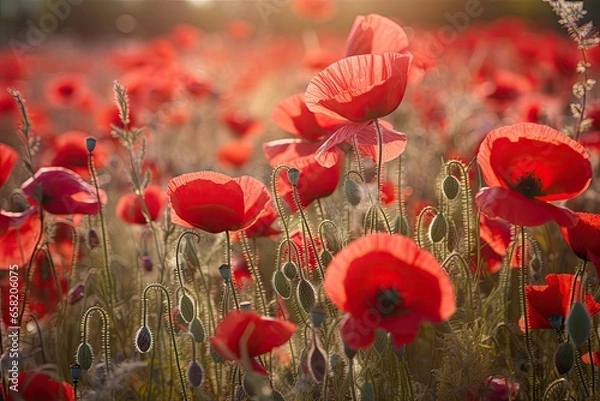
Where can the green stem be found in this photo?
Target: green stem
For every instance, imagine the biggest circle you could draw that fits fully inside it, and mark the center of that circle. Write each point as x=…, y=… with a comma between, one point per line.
x=528, y=344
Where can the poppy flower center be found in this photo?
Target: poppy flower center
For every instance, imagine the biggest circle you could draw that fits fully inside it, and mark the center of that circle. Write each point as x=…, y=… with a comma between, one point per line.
x=389, y=302
x=529, y=185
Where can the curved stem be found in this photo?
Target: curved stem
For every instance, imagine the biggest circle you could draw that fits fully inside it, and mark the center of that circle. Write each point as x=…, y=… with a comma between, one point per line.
x=165, y=292
x=228, y=261
x=379, y=160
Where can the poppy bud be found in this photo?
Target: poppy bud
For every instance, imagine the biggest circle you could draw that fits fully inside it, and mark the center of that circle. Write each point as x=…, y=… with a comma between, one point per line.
x=438, y=228
x=317, y=364
x=187, y=309
x=75, y=293
x=196, y=328
x=450, y=186
x=579, y=323
x=317, y=315
x=143, y=340
x=146, y=262
x=85, y=355
x=367, y=392
x=401, y=225
x=90, y=144
x=290, y=270
x=352, y=192
x=326, y=257
x=564, y=358
x=281, y=285
x=293, y=176
x=225, y=272
x=214, y=354
x=195, y=374
x=93, y=239
x=306, y=295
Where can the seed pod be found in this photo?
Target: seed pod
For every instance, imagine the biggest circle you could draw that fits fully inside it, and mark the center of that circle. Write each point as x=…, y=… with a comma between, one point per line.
x=281, y=285
x=195, y=374
x=352, y=192
x=293, y=175
x=245, y=305
x=143, y=340
x=187, y=309
x=290, y=270
x=564, y=358
x=85, y=356
x=90, y=144
x=225, y=272
x=196, y=328
x=438, y=228
x=450, y=186
x=306, y=295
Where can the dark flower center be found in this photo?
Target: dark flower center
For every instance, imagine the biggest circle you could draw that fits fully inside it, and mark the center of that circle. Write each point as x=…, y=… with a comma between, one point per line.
x=389, y=302
x=529, y=185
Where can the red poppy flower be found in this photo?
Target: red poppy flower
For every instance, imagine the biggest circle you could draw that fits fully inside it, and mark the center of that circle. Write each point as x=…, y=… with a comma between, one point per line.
x=263, y=226
x=39, y=386
x=71, y=152
x=61, y=191
x=375, y=34
x=365, y=135
x=553, y=301
x=44, y=296
x=527, y=165
x=129, y=208
x=8, y=159
x=235, y=153
x=241, y=272
x=315, y=180
x=65, y=91
x=360, y=88
x=293, y=116
x=241, y=124
x=248, y=334
x=315, y=10
x=214, y=202
x=308, y=260
x=18, y=237
x=494, y=389
x=584, y=238
x=387, y=282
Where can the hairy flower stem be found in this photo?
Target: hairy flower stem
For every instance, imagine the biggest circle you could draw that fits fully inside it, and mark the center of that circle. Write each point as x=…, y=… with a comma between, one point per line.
x=36, y=249
x=109, y=278
x=165, y=292
x=278, y=203
x=379, y=159
x=260, y=288
x=228, y=261
x=105, y=327
x=528, y=345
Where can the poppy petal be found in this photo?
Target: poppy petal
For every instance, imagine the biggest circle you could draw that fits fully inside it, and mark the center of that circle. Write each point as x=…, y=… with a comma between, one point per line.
x=360, y=88
x=8, y=159
x=375, y=34
x=498, y=202
x=355, y=334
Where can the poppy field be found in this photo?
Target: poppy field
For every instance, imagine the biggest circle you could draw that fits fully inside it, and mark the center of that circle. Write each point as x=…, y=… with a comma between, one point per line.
x=376, y=213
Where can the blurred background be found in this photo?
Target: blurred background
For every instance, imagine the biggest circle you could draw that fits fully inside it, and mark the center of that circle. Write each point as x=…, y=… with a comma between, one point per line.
x=147, y=18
